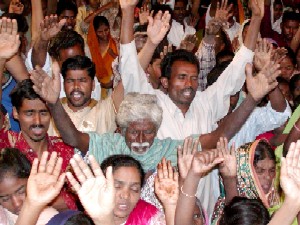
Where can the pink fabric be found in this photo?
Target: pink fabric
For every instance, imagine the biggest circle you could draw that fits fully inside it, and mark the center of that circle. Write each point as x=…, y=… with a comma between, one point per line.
x=141, y=214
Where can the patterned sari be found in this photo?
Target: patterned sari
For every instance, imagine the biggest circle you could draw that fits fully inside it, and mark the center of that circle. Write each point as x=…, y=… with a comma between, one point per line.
x=247, y=182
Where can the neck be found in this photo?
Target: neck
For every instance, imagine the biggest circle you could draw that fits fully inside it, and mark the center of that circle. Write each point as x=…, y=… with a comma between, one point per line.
x=75, y=109
x=37, y=146
x=119, y=221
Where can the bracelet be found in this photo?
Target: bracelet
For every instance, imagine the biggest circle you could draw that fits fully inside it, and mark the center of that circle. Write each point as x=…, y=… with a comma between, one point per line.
x=296, y=128
x=185, y=194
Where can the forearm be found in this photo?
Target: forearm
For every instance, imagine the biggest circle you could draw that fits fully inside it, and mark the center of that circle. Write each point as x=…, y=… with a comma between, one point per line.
x=287, y=213
x=186, y=204
x=170, y=214
x=91, y=17
x=195, y=7
x=295, y=43
x=230, y=184
x=293, y=136
x=67, y=129
x=51, y=7
x=127, y=25
x=37, y=17
x=251, y=37
x=277, y=100
x=145, y=55
x=29, y=218
x=39, y=52
x=17, y=68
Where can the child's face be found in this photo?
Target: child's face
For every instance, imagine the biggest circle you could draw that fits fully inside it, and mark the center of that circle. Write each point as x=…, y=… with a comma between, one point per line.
x=277, y=11
x=287, y=68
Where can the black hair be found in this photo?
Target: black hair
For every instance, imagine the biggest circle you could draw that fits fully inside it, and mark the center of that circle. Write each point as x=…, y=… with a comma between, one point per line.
x=277, y=2
x=160, y=7
x=21, y=21
x=117, y=161
x=291, y=54
x=79, y=63
x=79, y=219
x=14, y=162
x=177, y=55
x=23, y=90
x=100, y=20
x=290, y=15
x=243, y=211
x=214, y=74
x=63, y=40
x=263, y=150
x=293, y=81
x=64, y=5
x=223, y=54
x=281, y=80
x=141, y=28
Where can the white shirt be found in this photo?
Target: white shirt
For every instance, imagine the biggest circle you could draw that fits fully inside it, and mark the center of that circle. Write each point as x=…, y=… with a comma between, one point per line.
x=206, y=109
x=261, y=120
x=96, y=94
x=178, y=32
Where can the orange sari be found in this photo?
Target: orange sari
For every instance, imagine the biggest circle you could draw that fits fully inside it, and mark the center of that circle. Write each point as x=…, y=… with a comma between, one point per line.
x=103, y=62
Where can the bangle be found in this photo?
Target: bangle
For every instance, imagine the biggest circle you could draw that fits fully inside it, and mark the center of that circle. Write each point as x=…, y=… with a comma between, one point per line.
x=185, y=194
x=296, y=128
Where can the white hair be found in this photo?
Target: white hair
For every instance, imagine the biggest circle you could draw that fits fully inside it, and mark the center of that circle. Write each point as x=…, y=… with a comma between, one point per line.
x=136, y=107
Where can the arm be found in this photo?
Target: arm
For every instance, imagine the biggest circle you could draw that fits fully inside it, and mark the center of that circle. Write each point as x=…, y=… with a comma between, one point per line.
x=49, y=27
x=202, y=164
x=15, y=65
x=49, y=88
x=36, y=19
x=51, y=7
x=295, y=43
x=95, y=191
x=258, y=87
x=101, y=9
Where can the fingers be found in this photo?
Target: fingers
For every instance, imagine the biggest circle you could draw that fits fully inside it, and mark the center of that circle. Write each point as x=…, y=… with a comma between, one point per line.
x=34, y=167
x=75, y=184
x=60, y=182
x=51, y=163
x=195, y=147
x=95, y=166
x=110, y=178
x=43, y=162
x=81, y=169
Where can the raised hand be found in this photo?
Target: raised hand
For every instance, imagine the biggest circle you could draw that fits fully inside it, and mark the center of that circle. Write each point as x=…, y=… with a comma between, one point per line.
x=265, y=81
x=263, y=53
x=166, y=183
x=205, y=161
x=213, y=27
x=9, y=38
x=186, y=155
x=228, y=167
x=290, y=173
x=16, y=6
x=144, y=13
x=257, y=8
x=50, y=26
x=158, y=27
x=188, y=43
x=279, y=54
x=166, y=50
x=45, y=86
x=95, y=191
x=45, y=181
x=223, y=12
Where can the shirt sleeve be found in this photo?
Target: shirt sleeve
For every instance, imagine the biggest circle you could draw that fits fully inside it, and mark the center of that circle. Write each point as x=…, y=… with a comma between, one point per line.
x=133, y=76
x=106, y=116
x=207, y=60
x=47, y=66
x=229, y=82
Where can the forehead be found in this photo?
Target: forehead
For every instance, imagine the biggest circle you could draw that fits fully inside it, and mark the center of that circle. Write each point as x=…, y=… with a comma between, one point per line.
x=127, y=174
x=69, y=13
x=291, y=23
x=286, y=61
x=141, y=124
x=36, y=104
x=265, y=163
x=77, y=74
x=10, y=183
x=70, y=52
x=102, y=27
x=183, y=67
x=179, y=4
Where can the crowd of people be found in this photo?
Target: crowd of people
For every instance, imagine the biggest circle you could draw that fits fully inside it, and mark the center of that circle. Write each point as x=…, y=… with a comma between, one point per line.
x=137, y=112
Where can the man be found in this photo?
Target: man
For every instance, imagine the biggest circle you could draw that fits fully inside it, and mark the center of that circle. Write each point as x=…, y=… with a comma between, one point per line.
x=186, y=111
x=86, y=113
x=32, y=114
x=67, y=9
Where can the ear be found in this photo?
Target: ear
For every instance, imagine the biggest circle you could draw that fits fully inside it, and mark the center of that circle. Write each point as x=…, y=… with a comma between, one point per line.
x=164, y=82
x=15, y=113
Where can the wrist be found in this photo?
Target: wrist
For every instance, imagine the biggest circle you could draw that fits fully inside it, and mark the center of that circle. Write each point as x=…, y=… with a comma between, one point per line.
x=151, y=45
x=33, y=206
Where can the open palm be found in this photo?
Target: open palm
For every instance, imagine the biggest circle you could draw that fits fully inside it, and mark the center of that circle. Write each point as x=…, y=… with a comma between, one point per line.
x=9, y=39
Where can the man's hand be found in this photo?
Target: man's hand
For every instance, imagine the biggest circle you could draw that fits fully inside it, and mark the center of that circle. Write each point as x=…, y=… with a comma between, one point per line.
x=213, y=27
x=95, y=191
x=158, y=27
x=144, y=13
x=257, y=8
x=9, y=38
x=16, y=6
x=188, y=43
x=263, y=53
x=166, y=183
x=223, y=12
x=264, y=82
x=45, y=86
x=50, y=26
x=45, y=181
x=128, y=4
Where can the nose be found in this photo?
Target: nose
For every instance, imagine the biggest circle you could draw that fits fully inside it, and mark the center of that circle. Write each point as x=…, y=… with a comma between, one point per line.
x=76, y=84
x=188, y=82
x=124, y=194
x=17, y=203
x=37, y=118
x=140, y=137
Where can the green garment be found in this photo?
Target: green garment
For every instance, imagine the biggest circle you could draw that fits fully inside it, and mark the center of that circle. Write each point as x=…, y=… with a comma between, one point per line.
x=102, y=146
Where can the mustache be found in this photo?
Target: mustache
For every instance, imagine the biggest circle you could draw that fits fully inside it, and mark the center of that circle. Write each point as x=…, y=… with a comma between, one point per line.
x=140, y=145
x=36, y=126
x=80, y=92
x=189, y=89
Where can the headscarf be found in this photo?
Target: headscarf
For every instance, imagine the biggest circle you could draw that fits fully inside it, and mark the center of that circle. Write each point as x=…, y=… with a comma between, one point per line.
x=62, y=217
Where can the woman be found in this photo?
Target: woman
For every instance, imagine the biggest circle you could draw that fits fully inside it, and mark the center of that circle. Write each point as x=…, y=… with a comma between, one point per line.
x=254, y=176
x=103, y=50
x=14, y=173
x=129, y=208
